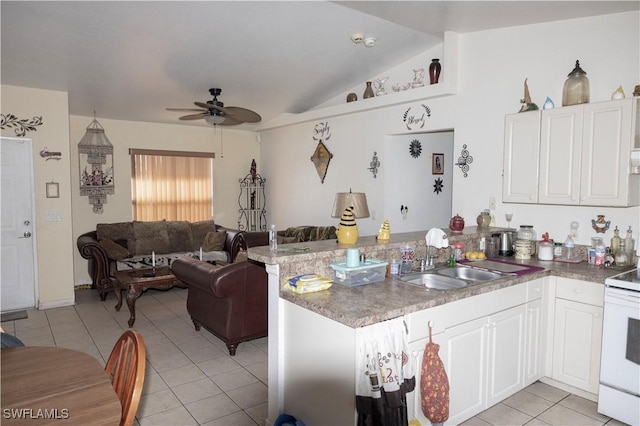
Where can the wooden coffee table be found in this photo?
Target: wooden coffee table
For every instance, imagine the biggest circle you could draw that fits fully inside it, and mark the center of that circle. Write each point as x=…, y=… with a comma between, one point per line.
x=136, y=281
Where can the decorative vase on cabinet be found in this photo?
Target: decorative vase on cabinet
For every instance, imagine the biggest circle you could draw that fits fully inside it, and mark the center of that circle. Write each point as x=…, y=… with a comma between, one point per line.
x=368, y=91
x=434, y=71
x=576, y=88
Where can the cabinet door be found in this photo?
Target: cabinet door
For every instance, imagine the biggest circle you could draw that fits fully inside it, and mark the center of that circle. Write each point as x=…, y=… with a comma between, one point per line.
x=466, y=364
x=576, y=344
x=506, y=354
x=520, y=162
x=533, y=342
x=606, y=146
x=560, y=151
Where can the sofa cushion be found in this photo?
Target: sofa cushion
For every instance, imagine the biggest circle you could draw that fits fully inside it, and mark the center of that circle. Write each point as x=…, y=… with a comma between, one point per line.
x=324, y=233
x=180, y=238
x=286, y=240
x=214, y=241
x=118, y=232
x=199, y=231
x=114, y=250
x=311, y=233
x=150, y=237
x=301, y=233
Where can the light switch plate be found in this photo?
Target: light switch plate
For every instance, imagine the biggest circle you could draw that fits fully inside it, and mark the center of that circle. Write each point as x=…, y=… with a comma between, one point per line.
x=53, y=217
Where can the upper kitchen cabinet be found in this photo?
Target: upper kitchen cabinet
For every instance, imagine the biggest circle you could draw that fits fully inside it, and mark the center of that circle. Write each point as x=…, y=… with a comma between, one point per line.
x=521, y=150
x=584, y=156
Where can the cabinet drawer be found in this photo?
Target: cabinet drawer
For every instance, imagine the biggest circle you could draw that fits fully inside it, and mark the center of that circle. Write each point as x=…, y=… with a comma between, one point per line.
x=418, y=323
x=534, y=289
x=580, y=291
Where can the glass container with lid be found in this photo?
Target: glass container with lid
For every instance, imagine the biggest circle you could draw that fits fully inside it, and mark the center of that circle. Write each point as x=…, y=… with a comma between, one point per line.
x=526, y=232
x=576, y=88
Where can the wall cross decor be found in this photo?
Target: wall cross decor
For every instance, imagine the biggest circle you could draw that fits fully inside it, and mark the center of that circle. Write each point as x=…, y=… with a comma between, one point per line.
x=464, y=160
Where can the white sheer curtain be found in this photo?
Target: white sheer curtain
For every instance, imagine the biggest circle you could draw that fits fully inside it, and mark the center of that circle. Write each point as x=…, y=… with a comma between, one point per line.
x=171, y=185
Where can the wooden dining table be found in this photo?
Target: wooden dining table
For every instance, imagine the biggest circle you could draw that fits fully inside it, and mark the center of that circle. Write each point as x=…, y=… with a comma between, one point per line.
x=49, y=385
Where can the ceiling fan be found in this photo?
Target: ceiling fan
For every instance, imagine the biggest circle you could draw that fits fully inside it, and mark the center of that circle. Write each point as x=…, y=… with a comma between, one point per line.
x=215, y=113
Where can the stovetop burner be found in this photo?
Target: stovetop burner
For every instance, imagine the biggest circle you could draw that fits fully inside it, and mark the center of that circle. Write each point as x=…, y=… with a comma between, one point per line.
x=629, y=280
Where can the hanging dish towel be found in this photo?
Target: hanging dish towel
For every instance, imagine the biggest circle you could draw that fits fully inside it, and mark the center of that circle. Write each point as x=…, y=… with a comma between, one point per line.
x=434, y=384
x=385, y=374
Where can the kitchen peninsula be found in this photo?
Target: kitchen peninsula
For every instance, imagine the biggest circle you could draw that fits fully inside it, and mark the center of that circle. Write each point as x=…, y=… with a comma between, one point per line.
x=313, y=338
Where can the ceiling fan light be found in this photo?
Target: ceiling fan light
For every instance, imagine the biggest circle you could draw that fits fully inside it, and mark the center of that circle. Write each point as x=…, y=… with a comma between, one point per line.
x=214, y=119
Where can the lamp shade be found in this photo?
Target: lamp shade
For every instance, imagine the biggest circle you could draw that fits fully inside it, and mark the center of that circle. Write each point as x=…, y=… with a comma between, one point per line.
x=357, y=200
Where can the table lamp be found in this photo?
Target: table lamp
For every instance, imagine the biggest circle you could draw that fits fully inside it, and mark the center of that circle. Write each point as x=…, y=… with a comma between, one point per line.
x=348, y=206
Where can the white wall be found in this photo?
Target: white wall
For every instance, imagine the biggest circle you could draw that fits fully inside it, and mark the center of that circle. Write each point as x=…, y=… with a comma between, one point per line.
x=240, y=147
x=492, y=68
x=54, y=243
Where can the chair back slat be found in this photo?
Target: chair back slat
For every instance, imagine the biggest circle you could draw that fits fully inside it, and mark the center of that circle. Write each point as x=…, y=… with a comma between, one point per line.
x=125, y=368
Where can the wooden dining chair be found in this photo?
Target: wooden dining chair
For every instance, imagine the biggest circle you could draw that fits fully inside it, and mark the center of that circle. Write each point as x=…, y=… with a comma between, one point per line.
x=125, y=368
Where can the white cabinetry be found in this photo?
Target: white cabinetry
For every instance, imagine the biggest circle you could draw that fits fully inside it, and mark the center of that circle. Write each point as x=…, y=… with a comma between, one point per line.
x=521, y=150
x=583, y=158
x=489, y=345
x=577, y=336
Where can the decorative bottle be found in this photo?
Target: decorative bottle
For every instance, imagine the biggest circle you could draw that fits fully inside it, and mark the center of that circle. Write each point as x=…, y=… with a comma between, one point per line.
x=576, y=87
x=630, y=244
x=434, y=71
x=368, y=91
x=273, y=238
x=621, y=255
x=615, y=240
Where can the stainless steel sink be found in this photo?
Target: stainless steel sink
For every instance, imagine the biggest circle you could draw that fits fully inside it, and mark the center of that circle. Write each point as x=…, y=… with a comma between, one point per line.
x=469, y=273
x=449, y=278
x=433, y=281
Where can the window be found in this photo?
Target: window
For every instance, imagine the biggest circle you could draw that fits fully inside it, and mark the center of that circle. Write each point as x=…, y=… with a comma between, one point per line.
x=171, y=185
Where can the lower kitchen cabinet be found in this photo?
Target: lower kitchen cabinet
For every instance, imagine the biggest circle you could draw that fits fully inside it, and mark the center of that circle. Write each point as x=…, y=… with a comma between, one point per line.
x=484, y=360
x=577, y=338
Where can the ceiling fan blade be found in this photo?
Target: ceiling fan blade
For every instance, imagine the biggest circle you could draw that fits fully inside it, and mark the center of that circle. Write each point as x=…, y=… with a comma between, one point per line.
x=194, y=116
x=228, y=121
x=242, y=114
x=185, y=109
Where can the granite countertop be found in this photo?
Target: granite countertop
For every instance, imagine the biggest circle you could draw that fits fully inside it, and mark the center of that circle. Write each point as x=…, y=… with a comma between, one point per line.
x=371, y=303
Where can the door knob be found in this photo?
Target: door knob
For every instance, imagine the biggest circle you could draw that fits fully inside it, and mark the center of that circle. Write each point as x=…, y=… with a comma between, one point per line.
x=27, y=234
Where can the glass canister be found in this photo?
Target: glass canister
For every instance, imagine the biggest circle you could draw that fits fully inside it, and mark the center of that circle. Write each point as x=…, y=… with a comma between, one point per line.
x=527, y=233
x=523, y=249
x=576, y=88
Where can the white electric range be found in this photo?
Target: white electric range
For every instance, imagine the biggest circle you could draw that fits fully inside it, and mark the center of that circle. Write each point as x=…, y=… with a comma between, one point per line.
x=619, y=391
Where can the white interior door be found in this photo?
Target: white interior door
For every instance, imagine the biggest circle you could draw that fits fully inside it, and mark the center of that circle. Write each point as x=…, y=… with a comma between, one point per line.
x=18, y=255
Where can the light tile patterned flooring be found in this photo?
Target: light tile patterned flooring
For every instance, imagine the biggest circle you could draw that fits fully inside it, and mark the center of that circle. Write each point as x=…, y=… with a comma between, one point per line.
x=192, y=380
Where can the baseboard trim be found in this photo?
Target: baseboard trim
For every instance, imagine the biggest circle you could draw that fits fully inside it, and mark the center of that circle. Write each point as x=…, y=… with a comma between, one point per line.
x=56, y=304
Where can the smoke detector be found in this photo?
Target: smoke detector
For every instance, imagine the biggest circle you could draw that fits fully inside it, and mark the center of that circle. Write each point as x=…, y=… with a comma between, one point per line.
x=357, y=38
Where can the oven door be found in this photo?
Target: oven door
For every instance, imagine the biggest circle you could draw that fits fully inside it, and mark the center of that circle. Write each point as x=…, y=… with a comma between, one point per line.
x=620, y=363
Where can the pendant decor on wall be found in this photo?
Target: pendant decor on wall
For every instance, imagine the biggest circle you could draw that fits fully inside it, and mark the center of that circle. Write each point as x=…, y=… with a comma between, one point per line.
x=374, y=165
x=416, y=119
x=464, y=160
x=95, y=154
x=320, y=159
x=19, y=125
x=438, y=185
x=415, y=148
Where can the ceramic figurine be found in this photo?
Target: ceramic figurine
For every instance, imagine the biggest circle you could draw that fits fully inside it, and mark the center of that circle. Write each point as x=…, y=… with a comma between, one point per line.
x=600, y=225
x=548, y=104
x=418, y=76
x=379, y=86
x=347, y=232
x=527, y=105
x=618, y=94
x=384, y=235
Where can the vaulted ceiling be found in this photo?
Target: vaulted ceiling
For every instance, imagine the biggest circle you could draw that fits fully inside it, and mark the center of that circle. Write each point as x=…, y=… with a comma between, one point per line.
x=132, y=60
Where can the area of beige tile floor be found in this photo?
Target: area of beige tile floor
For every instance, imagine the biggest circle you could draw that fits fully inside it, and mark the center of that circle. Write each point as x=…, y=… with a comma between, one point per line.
x=192, y=380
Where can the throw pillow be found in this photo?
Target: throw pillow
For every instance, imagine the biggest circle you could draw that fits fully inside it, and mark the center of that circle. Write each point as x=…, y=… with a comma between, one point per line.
x=286, y=240
x=199, y=231
x=114, y=250
x=116, y=232
x=180, y=239
x=214, y=241
x=151, y=237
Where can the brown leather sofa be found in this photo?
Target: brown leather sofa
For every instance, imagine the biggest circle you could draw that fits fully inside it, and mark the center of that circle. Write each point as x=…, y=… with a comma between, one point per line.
x=229, y=301
x=102, y=263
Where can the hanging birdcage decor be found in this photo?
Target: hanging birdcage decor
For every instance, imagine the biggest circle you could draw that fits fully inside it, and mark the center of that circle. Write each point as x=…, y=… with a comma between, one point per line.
x=95, y=154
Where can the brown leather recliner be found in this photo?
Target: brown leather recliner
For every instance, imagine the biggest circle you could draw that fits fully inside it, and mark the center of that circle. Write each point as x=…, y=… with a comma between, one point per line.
x=229, y=301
